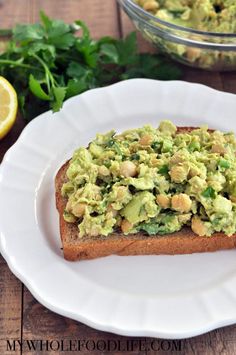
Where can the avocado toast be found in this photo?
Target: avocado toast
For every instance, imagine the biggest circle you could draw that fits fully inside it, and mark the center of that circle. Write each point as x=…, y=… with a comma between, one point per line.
x=149, y=191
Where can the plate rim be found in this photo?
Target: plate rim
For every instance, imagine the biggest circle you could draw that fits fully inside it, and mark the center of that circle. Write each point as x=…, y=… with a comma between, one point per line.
x=12, y=264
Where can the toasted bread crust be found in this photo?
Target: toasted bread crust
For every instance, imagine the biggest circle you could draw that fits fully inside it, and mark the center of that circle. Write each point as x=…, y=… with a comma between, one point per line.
x=182, y=242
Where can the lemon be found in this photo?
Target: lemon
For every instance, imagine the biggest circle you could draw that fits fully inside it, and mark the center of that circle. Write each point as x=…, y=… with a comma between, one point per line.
x=8, y=106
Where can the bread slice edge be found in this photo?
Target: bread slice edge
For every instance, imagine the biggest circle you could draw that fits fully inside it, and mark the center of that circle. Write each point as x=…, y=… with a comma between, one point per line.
x=181, y=242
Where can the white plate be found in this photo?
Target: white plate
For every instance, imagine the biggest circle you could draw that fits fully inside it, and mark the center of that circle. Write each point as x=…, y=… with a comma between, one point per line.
x=163, y=296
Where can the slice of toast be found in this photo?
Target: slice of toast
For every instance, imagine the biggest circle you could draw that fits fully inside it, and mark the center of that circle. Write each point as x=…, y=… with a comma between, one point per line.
x=182, y=242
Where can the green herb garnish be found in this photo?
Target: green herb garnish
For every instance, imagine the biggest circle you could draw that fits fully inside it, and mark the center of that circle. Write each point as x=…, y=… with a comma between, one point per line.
x=156, y=146
x=193, y=146
x=209, y=192
x=223, y=163
x=135, y=156
x=113, y=144
x=50, y=61
x=163, y=170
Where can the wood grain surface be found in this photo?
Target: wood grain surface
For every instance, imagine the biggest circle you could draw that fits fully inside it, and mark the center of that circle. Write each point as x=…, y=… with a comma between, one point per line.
x=21, y=316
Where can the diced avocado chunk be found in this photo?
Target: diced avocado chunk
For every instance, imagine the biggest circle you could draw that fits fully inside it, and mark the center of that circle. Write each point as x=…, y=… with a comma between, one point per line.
x=95, y=150
x=141, y=207
x=222, y=205
x=69, y=217
x=167, y=127
x=162, y=225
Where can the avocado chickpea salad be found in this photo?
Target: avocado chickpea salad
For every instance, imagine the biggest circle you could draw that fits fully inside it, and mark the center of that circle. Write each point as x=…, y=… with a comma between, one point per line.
x=217, y=16
x=204, y=15
x=153, y=181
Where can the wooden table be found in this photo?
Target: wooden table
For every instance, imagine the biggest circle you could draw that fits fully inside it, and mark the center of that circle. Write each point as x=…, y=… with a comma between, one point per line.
x=21, y=316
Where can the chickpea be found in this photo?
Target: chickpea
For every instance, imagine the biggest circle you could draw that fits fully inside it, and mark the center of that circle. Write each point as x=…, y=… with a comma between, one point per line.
x=163, y=201
x=193, y=53
x=218, y=148
x=154, y=162
x=178, y=173
x=111, y=210
x=198, y=226
x=233, y=199
x=126, y=226
x=128, y=168
x=103, y=170
x=145, y=140
x=79, y=209
x=181, y=203
x=177, y=158
x=151, y=5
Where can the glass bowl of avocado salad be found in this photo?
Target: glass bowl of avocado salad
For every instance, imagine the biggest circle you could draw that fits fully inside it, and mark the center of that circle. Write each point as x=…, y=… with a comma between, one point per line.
x=153, y=181
x=199, y=33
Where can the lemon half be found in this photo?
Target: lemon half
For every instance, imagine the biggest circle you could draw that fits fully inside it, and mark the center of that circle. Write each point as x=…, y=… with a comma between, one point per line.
x=8, y=106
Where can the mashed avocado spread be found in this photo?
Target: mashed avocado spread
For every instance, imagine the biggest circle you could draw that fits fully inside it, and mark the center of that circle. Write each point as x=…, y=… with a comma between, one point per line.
x=154, y=181
x=204, y=15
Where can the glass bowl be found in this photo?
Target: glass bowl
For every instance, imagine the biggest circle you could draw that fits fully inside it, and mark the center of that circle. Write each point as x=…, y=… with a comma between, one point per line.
x=207, y=50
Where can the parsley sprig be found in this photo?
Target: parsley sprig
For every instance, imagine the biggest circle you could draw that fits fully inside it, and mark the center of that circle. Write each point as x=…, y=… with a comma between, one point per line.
x=50, y=61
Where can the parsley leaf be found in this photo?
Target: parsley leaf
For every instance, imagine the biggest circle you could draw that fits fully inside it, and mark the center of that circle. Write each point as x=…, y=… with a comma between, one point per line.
x=209, y=192
x=59, y=95
x=50, y=61
x=135, y=156
x=223, y=163
x=110, y=53
x=30, y=33
x=127, y=49
x=163, y=170
x=75, y=87
x=37, y=89
x=150, y=228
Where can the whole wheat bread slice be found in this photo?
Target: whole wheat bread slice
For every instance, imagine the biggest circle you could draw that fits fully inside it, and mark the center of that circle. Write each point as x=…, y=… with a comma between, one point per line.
x=182, y=242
